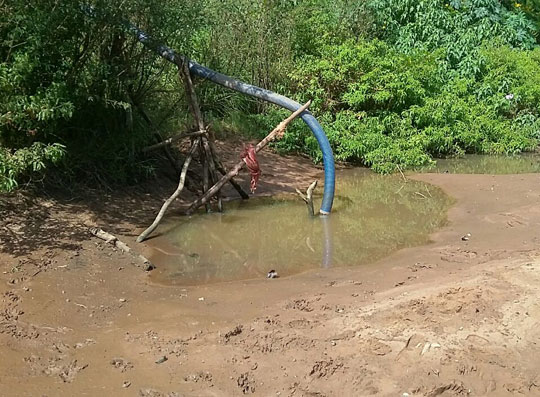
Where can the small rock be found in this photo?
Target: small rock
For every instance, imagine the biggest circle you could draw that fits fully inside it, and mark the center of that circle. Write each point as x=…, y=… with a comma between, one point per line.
x=466, y=237
x=126, y=384
x=122, y=300
x=149, y=267
x=161, y=360
x=201, y=298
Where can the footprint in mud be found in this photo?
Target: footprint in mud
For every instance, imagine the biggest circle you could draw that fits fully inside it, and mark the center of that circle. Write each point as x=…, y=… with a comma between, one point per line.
x=66, y=372
x=299, y=304
x=510, y=219
x=300, y=323
x=246, y=383
x=151, y=341
x=303, y=305
x=375, y=346
x=149, y=392
x=458, y=255
x=455, y=388
x=325, y=368
x=121, y=364
x=420, y=266
x=199, y=377
x=10, y=314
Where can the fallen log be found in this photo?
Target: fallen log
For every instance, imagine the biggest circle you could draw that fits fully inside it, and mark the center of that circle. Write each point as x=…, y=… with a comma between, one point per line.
x=111, y=239
x=276, y=132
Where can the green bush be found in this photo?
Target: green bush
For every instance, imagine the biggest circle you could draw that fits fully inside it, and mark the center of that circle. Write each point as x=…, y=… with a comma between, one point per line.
x=460, y=27
x=68, y=80
x=26, y=162
x=390, y=110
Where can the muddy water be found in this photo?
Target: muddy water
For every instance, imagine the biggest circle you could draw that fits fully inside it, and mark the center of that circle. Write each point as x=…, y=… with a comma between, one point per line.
x=478, y=164
x=373, y=215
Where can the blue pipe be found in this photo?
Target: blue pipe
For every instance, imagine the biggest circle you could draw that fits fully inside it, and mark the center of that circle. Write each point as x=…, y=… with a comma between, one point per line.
x=284, y=102
x=248, y=89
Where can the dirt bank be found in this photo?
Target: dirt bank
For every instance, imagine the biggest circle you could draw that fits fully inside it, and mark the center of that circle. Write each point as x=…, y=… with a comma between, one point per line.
x=450, y=318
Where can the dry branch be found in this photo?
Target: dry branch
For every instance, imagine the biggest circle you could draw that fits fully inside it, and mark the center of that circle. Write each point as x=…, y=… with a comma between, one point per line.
x=111, y=239
x=308, y=197
x=238, y=188
x=276, y=132
x=173, y=197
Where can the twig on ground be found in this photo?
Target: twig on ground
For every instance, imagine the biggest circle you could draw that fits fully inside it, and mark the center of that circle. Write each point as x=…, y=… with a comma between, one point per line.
x=113, y=240
x=173, y=197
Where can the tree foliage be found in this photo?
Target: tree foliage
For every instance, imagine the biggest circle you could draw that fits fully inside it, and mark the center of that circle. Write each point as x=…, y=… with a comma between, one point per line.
x=71, y=81
x=394, y=83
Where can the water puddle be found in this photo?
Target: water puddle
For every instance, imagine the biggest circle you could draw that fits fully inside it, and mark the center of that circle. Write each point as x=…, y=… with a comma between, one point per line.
x=479, y=164
x=373, y=216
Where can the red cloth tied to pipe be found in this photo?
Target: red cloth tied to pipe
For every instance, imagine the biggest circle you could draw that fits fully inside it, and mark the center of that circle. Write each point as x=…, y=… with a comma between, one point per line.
x=250, y=158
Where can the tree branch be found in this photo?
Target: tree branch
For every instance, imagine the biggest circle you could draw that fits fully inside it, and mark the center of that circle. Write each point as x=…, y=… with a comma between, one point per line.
x=308, y=197
x=173, y=197
x=276, y=132
x=111, y=239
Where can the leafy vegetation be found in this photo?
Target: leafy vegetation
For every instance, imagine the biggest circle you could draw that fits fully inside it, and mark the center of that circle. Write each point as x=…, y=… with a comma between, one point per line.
x=70, y=81
x=394, y=83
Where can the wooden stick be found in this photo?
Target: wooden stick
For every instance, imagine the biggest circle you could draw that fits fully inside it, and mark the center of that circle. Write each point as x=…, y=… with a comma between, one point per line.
x=111, y=239
x=205, y=173
x=192, y=96
x=308, y=197
x=209, y=168
x=173, y=197
x=171, y=140
x=221, y=168
x=276, y=132
x=235, y=184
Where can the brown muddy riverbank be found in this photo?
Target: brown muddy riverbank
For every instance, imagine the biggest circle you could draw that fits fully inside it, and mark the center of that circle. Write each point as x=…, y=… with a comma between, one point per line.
x=451, y=317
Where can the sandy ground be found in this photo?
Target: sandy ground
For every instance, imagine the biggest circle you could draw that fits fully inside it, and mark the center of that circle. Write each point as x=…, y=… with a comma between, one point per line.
x=450, y=318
